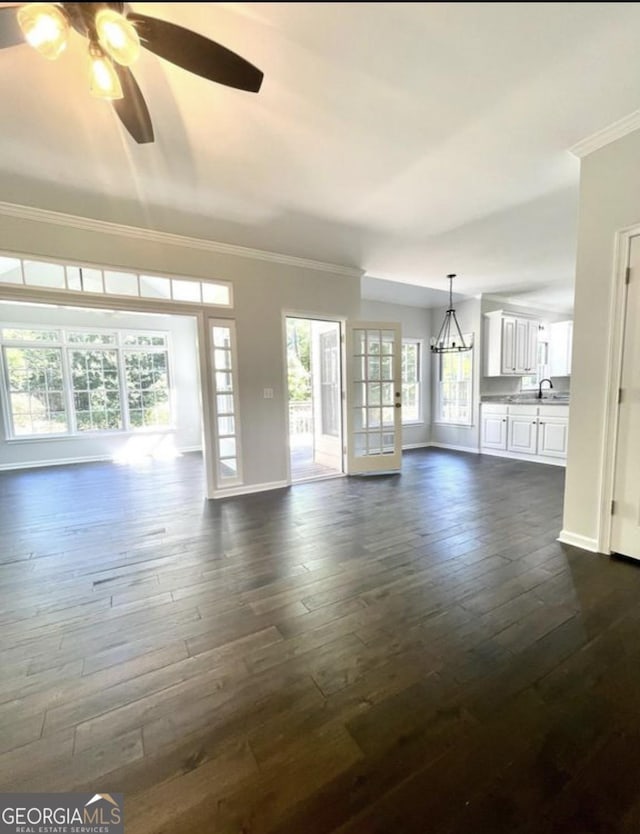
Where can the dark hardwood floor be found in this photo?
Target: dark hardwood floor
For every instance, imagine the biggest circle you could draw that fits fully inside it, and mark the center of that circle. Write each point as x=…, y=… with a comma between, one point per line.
x=361, y=656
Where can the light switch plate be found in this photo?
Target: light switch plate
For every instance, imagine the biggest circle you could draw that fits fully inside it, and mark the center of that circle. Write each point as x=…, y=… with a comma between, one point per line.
x=268, y=393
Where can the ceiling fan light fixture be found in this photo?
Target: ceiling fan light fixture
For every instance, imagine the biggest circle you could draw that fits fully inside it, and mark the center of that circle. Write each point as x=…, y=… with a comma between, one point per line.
x=104, y=79
x=45, y=28
x=118, y=37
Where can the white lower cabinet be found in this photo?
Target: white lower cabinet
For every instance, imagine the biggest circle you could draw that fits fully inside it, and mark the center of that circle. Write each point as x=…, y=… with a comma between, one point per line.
x=493, y=427
x=552, y=436
x=523, y=434
x=529, y=432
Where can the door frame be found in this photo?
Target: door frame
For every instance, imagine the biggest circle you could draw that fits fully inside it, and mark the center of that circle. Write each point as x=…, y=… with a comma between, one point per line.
x=341, y=321
x=617, y=313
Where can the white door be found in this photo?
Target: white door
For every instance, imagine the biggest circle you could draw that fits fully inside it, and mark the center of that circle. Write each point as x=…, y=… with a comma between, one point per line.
x=523, y=435
x=374, y=397
x=553, y=433
x=508, y=345
x=625, y=530
x=494, y=431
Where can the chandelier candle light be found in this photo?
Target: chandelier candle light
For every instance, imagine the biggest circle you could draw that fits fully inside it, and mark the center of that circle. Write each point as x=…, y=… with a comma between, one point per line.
x=449, y=339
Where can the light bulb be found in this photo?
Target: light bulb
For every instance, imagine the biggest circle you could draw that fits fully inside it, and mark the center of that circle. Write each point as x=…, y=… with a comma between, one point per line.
x=45, y=28
x=104, y=79
x=117, y=37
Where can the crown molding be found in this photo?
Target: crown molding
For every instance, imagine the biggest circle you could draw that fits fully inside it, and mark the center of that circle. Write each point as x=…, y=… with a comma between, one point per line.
x=607, y=135
x=88, y=224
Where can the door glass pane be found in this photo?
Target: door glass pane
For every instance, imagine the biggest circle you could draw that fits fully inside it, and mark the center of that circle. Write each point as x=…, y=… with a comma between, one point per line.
x=387, y=393
x=228, y=468
x=387, y=341
x=360, y=445
x=359, y=341
x=388, y=442
x=224, y=381
x=226, y=425
x=374, y=391
x=387, y=416
x=375, y=443
x=373, y=367
x=359, y=417
x=225, y=403
x=359, y=368
x=373, y=342
x=227, y=447
x=374, y=416
x=223, y=359
x=222, y=337
x=387, y=367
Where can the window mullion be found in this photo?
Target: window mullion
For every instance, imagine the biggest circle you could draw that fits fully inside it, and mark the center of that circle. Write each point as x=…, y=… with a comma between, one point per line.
x=67, y=387
x=122, y=386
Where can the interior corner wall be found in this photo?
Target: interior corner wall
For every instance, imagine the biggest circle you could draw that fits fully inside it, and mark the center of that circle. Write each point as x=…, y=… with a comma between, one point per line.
x=416, y=324
x=262, y=291
x=185, y=388
x=609, y=202
x=470, y=319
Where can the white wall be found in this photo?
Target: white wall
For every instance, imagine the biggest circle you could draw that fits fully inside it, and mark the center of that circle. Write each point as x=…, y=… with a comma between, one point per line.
x=416, y=324
x=262, y=291
x=184, y=382
x=469, y=317
x=609, y=202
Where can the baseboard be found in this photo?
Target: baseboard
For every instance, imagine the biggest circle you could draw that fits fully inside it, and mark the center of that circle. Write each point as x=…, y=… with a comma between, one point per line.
x=471, y=449
x=248, y=489
x=42, y=464
x=575, y=539
x=407, y=446
x=496, y=453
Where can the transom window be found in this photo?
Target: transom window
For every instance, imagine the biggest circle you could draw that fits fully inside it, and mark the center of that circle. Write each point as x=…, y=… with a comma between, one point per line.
x=66, y=381
x=42, y=275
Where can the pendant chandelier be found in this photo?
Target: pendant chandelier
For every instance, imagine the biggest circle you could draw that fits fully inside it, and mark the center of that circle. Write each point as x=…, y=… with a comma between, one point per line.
x=449, y=339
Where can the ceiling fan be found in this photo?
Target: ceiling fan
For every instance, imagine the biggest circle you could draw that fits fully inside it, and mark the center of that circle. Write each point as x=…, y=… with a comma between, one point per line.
x=115, y=35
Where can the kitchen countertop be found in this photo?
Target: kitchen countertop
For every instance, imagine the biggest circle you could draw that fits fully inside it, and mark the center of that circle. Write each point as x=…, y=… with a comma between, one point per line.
x=523, y=400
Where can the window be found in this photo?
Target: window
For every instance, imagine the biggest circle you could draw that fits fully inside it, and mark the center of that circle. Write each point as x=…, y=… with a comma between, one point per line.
x=455, y=387
x=531, y=381
x=74, y=381
x=411, y=375
x=40, y=275
x=226, y=388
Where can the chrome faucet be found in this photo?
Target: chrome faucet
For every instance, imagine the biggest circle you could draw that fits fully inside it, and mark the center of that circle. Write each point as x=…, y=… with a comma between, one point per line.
x=540, y=387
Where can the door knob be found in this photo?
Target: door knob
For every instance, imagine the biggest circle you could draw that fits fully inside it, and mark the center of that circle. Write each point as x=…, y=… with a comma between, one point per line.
x=398, y=405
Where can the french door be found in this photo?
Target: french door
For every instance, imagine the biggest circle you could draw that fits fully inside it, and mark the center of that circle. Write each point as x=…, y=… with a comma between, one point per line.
x=374, y=397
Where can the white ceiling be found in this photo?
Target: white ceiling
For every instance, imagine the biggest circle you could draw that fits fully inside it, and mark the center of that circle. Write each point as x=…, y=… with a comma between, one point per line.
x=408, y=139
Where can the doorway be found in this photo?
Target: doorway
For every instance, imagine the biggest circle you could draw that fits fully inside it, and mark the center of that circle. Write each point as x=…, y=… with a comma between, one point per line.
x=314, y=398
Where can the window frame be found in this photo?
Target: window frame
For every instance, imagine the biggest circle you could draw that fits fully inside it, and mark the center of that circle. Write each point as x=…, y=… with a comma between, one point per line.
x=438, y=419
x=223, y=483
x=67, y=346
x=419, y=344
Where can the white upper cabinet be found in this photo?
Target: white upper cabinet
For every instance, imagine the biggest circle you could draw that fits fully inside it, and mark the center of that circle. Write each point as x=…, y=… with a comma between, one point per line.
x=511, y=344
x=560, y=345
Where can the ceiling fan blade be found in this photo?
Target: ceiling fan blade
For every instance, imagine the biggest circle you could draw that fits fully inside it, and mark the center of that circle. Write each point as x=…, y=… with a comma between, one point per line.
x=196, y=53
x=10, y=31
x=132, y=108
